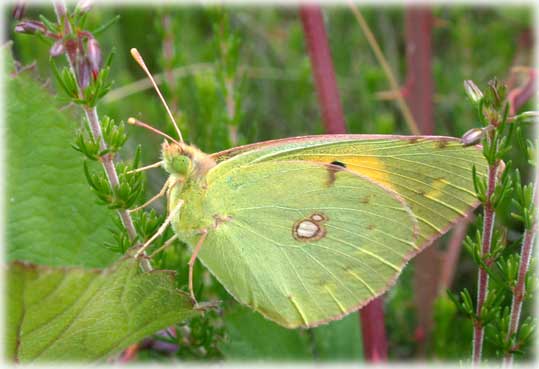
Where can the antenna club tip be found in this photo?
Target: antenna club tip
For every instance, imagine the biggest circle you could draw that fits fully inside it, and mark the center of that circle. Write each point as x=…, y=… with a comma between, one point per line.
x=136, y=55
x=131, y=120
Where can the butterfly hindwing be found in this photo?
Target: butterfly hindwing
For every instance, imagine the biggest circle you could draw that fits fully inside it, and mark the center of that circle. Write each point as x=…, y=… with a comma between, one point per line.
x=304, y=242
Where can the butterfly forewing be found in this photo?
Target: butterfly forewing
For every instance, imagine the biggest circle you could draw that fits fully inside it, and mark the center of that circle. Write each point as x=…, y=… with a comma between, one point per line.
x=431, y=174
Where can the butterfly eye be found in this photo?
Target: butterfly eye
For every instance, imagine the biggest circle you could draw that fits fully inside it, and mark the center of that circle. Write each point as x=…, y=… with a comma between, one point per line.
x=179, y=165
x=175, y=160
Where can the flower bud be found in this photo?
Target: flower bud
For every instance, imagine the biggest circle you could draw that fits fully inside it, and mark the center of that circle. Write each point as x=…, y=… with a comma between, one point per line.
x=84, y=72
x=72, y=47
x=94, y=55
x=528, y=117
x=472, y=91
x=84, y=6
x=30, y=27
x=57, y=48
x=472, y=136
x=19, y=10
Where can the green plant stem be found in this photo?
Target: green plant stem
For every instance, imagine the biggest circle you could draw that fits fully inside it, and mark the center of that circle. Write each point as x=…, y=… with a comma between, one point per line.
x=231, y=110
x=168, y=56
x=482, y=280
x=520, y=287
x=405, y=110
x=95, y=127
x=110, y=170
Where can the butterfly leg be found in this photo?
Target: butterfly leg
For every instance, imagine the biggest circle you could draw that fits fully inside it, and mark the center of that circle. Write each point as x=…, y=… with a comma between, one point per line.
x=165, y=245
x=204, y=234
x=161, y=229
x=161, y=193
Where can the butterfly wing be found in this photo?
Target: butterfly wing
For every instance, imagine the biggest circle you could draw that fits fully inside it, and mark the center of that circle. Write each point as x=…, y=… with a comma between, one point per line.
x=431, y=173
x=303, y=242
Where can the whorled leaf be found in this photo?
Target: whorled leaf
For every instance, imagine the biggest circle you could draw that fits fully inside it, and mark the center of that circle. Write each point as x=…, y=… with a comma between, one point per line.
x=74, y=314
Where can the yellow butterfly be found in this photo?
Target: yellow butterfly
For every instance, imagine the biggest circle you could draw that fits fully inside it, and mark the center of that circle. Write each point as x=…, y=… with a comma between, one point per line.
x=305, y=230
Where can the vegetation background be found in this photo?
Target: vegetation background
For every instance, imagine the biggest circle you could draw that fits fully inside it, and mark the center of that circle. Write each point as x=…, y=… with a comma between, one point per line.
x=275, y=97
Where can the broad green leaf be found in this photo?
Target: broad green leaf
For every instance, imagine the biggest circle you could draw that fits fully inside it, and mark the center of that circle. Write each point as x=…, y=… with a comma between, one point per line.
x=340, y=340
x=68, y=314
x=52, y=216
x=251, y=337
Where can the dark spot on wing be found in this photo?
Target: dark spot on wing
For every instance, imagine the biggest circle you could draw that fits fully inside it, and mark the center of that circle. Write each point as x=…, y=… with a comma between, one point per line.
x=413, y=140
x=333, y=168
x=220, y=219
x=365, y=199
x=442, y=144
x=370, y=227
x=338, y=163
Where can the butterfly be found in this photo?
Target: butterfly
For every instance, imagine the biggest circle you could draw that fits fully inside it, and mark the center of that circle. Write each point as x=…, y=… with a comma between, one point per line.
x=305, y=230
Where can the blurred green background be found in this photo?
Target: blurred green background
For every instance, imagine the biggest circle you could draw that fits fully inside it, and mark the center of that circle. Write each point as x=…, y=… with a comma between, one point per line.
x=277, y=98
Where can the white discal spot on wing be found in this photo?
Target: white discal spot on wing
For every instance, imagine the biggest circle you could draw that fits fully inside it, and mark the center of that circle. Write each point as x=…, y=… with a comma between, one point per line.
x=307, y=229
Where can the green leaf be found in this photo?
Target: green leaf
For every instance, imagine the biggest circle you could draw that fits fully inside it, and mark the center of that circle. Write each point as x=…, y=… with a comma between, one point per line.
x=251, y=337
x=339, y=341
x=68, y=314
x=105, y=26
x=52, y=215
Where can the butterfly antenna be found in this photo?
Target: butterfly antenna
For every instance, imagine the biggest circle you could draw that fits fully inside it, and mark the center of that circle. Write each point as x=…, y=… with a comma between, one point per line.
x=140, y=61
x=139, y=123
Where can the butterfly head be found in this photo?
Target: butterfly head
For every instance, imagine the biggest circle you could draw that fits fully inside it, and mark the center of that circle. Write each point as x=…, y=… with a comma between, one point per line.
x=183, y=160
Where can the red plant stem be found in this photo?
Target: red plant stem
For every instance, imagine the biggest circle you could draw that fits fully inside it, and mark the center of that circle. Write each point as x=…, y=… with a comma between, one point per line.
x=520, y=287
x=419, y=87
x=372, y=315
x=322, y=65
x=419, y=83
x=93, y=121
x=374, y=331
x=482, y=279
